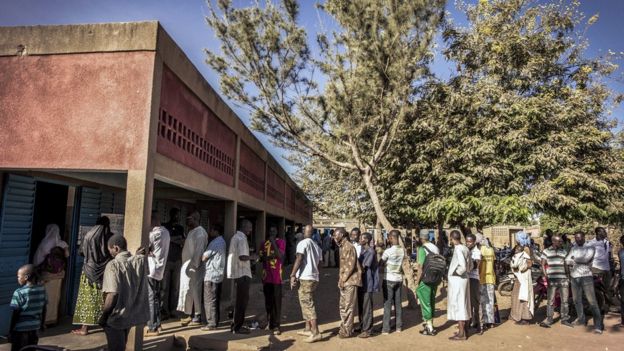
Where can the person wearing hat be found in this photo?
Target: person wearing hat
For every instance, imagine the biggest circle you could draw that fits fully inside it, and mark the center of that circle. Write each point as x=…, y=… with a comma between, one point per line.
x=426, y=292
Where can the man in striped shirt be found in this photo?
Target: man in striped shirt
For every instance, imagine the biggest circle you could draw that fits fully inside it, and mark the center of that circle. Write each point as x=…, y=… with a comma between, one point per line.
x=29, y=306
x=553, y=264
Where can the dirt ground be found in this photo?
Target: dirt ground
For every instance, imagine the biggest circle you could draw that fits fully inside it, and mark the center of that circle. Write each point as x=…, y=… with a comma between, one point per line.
x=505, y=336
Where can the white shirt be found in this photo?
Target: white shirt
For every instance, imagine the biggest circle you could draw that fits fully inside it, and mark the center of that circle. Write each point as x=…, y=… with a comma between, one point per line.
x=601, y=255
x=475, y=254
x=238, y=247
x=159, y=249
x=312, y=255
x=358, y=249
x=394, y=259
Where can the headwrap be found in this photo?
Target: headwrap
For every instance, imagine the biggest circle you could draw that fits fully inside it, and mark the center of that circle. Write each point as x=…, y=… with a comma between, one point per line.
x=523, y=238
x=479, y=238
x=51, y=240
x=96, y=256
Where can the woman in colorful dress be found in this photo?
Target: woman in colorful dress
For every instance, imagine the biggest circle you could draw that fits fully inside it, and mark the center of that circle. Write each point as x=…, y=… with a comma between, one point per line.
x=94, y=249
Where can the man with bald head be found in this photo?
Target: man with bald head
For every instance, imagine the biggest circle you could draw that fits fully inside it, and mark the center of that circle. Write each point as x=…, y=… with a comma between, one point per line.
x=553, y=266
x=305, y=273
x=29, y=307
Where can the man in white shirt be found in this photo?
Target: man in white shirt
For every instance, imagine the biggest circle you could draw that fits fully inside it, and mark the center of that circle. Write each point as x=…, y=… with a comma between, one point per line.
x=354, y=237
x=193, y=269
x=602, y=254
x=158, y=251
x=306, y=273
x=239, y=270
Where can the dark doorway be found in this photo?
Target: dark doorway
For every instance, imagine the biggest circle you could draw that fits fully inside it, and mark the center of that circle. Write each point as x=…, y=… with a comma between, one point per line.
x=50, y=207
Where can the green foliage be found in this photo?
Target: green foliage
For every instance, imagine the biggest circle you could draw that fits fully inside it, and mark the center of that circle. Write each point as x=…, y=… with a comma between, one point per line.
x=370, y=65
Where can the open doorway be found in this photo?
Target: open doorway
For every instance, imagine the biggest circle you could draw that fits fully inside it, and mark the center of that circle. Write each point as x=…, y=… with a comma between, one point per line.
x=50, y=207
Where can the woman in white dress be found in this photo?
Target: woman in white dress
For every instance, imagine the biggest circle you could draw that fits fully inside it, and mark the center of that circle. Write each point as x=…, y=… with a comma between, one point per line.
x=458, y=305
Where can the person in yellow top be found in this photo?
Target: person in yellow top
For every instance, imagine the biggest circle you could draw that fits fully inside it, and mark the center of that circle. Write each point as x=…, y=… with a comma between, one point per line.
x=487, y=278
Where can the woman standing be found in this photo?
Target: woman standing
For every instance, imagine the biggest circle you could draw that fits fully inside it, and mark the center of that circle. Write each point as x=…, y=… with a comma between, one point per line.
x=94, y=249
x=50, y=260
x=522, y=304
x=458, y=305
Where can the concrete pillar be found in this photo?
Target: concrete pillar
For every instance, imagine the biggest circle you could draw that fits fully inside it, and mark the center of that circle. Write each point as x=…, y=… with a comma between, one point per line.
x=139, y=193
x=230, y=220
x=260, y=236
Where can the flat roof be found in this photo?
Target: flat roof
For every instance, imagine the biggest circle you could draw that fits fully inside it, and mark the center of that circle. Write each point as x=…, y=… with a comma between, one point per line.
x=132, y=36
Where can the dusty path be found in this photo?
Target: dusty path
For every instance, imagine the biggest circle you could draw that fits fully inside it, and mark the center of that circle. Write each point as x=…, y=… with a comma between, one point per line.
x=507, y=336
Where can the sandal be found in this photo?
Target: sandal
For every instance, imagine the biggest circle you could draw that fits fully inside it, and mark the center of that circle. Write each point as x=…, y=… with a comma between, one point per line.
x=79, y=332
x=458, y=338
x=428, y=332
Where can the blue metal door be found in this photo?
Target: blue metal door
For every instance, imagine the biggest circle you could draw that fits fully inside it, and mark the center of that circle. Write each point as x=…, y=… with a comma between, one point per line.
x=16, y=218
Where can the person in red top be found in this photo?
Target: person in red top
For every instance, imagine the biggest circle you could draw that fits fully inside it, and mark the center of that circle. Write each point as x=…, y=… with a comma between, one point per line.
x=272, y=256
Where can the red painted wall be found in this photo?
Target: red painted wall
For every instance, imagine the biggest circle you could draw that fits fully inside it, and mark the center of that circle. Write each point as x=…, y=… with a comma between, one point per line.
x=190, y=133
x=78, y=111
x=275, y=188
x=251, y=172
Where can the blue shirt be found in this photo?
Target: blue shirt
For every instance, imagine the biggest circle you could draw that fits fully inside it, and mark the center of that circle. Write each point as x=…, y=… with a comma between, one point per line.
x=370, y=271
x=30, y=301
x=215, y=264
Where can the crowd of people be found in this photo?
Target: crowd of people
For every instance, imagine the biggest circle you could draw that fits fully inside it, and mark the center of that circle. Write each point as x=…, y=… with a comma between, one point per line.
x=119, y=290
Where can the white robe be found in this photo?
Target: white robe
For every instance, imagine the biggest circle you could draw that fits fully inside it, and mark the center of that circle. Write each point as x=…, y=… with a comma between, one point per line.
x=191, y=273
x=458, y=301
x=520, y=262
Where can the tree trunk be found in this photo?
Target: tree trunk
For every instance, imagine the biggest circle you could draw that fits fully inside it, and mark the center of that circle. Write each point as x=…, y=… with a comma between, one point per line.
x=372, y=193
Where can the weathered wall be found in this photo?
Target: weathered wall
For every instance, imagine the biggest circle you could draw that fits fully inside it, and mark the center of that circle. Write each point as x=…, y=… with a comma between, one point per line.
x=77, y=111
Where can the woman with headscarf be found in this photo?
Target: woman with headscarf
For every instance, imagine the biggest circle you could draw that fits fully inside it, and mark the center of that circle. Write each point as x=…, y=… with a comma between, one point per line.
x=94, y=249
x=50, y=260
x=522, y=304
x=51, y=240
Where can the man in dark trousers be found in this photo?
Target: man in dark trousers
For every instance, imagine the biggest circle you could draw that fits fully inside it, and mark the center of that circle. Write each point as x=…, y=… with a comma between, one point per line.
x=170, y=284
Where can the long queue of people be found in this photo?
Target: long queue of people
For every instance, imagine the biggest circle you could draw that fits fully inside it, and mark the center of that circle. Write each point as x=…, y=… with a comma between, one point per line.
x=119, y=290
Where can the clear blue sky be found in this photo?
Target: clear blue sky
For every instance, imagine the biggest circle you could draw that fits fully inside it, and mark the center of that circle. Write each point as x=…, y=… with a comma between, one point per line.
x=184, y=21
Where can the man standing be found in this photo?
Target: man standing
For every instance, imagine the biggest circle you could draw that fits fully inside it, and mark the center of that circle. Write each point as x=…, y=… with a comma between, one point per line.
x=458, y=304
x=580, y=261
x=158, y=250
x=475, y=255
x=305, y=272
x=214, y=261
x=392, y=259
x=350, y=277
x=126, y=293
x=272, y=257
x=171, y=277
x=426, y=292
x=553, y=266
x=194, y=247
x=370, y=285
x=487, y=278
x=239, y=270
x=602, y=257
x=354, y=236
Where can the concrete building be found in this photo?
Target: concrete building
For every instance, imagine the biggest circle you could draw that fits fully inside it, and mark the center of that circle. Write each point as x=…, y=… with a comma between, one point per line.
x=114, y=118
